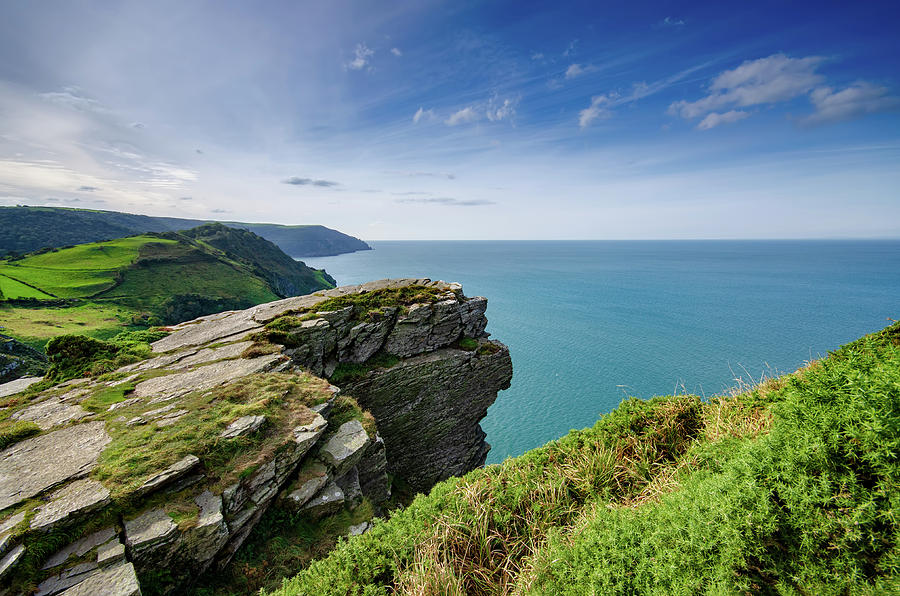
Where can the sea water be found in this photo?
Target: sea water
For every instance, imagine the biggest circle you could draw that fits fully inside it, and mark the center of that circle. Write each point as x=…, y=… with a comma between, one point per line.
x=589, y=323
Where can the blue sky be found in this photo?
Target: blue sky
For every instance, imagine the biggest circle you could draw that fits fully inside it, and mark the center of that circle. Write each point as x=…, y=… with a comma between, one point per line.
x=461, y=120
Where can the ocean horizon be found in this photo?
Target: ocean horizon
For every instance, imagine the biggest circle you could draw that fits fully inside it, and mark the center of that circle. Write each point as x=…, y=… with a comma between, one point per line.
x=592, y=322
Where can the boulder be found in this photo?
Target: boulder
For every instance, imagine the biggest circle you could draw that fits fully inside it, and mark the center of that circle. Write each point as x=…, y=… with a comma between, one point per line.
x=345, y=448
x=74, y=499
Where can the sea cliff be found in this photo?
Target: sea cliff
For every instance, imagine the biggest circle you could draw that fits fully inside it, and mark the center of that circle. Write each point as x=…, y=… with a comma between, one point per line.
x=136, y=480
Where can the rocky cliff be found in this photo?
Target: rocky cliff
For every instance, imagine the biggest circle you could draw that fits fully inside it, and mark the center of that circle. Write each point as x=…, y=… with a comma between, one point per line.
x=139, y=479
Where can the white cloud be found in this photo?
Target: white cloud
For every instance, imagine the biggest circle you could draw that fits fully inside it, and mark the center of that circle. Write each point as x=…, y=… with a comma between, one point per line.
x=670, y=22
x=774, y=79
x=858, y=99
x=505, y=110
x=599, y=109
x=571, y=50
x=537, y=56
x=463, y=116
x=574, y=71
x=396, y=52
x=73, y=97
x=714, y=119
x=363, y=55
x=422, y=114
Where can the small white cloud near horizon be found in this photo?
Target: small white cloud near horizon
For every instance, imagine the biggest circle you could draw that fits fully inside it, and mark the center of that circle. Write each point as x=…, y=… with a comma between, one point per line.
x=363, y=55
x=857, y=100
x=396, y=52
x=714, y=119
x=463, y=116
x=598, y=110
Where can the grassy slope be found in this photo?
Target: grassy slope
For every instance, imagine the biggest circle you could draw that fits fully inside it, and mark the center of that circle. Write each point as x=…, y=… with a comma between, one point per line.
x=790, y=488
x=80, y=271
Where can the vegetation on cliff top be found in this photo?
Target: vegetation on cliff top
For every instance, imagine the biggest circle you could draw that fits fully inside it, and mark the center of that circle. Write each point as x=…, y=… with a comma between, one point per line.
x=791, y=487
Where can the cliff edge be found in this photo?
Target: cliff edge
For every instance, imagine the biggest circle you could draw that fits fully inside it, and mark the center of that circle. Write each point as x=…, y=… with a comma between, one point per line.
x=137, y=480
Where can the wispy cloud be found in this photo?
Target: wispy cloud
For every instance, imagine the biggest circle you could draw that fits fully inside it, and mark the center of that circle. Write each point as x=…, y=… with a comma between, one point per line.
x=298, y=181
x=537, y=56
x=363, y=55
x=447, y=201
x=575, y=70
x=463, y=116
x=857, y=100
x=423, y=114
x=396, y=52
x=88, y=188
x=598, y=110
x=714, y=119
x=669, y=22
x=74, y=97
x=409, y=174
x=572, y=48
x=774, y=79
x=504, y=109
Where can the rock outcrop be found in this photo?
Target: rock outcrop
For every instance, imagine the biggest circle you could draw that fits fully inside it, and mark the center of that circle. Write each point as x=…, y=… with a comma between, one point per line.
x=147, y=476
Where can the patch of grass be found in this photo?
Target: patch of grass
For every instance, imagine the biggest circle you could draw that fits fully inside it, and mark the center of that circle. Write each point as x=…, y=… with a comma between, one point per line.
x=13, y=432
x=10, y=288
x=791, y=487
x=36, y=325
x=137, y=452
x=345, y=410
x=104, y=398
x=375, y=300
x=348, y=372
x=468, y=344
x=487, y=348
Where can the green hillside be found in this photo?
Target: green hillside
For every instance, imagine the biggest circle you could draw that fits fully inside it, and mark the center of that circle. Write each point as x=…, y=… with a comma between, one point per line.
x=791, y=487
x=26, y=229
x=100, y=288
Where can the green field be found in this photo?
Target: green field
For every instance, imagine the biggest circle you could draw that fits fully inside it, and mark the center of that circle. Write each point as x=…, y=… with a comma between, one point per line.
x=80, y=271
x=10, y=288
x=35, y=325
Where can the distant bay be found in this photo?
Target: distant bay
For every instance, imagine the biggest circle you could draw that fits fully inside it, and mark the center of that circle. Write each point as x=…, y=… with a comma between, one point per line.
x=590, y=322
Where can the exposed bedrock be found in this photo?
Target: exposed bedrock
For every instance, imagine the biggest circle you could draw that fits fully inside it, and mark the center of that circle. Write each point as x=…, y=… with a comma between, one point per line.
x=142, y=479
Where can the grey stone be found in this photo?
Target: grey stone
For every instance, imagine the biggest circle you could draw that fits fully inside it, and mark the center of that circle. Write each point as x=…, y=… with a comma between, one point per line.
x=170, y=418
x=211, y=354
x=65, y=579
x=210, y=534
x=124, y=404
x=110, y=552
x=10, y=559
x=76, y=498
x=174, y=472
x=21, y=384
x=151, y=529
x=471, y=313
x=118, y=580
x=345, y=447
x=80, y=547
x=349, y=484
x=6, y=527
x=365, y=339
x=373, y=476
x=204, y=377
x=329, y=500
x=315, y=477
x=40, y=463
x=243, y=426
x=358, y=529
x=51, y=412
x=231, y=325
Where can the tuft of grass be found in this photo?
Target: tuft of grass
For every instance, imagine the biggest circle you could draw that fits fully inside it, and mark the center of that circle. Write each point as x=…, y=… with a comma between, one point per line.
x=468, y=344
x=13, y=432
x=365, y=302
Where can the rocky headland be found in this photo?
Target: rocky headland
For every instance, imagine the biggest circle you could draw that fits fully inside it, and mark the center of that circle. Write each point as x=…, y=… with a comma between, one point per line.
x=138, y=480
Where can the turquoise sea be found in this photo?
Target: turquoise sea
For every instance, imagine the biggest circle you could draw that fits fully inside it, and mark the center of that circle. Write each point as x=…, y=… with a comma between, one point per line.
x=591, y=322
